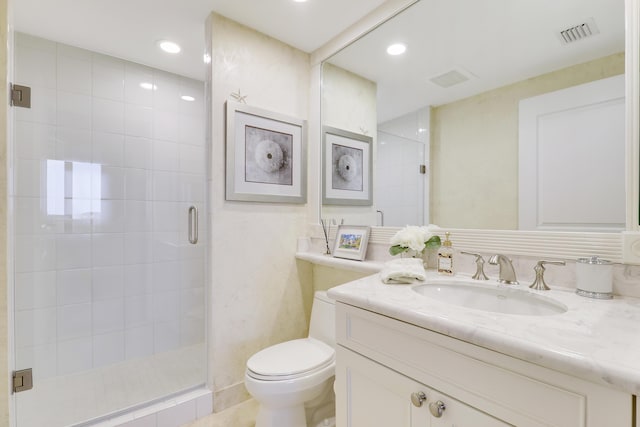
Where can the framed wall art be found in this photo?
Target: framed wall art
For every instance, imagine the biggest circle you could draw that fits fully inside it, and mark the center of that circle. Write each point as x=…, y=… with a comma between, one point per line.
x=351, y=242
x=347, y=164
x=266, y=156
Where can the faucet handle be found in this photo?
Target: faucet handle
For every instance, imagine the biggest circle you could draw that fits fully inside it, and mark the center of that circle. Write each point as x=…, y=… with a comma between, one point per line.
x=539, y=283
x=479, y=275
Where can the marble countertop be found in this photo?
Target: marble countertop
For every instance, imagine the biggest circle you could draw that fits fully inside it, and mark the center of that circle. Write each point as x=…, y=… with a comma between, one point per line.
x=343, y=264
x=597, y=340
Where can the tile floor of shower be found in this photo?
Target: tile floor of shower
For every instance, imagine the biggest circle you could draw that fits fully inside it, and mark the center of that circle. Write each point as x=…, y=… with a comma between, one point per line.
x=76, y=398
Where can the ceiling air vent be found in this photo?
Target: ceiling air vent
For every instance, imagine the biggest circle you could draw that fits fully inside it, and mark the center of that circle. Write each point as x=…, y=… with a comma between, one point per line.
x=451, y=77
x=579, y=32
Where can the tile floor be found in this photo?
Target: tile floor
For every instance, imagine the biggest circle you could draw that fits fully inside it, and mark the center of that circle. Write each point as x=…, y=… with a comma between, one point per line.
x=241, y=415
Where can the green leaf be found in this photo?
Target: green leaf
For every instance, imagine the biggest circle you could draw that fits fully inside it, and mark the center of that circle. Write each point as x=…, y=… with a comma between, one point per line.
x=433, y=242
x=397, y=249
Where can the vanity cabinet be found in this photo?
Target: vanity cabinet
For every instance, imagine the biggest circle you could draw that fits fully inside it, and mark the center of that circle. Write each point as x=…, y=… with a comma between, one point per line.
x=381, y=397
x=383, y=365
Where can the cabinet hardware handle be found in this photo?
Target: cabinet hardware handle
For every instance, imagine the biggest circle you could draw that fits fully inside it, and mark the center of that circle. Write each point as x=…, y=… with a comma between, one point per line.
x=437, y=408
x=417, y=398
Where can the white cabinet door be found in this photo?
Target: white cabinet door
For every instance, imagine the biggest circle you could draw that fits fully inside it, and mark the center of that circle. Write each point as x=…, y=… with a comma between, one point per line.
x=370, y=395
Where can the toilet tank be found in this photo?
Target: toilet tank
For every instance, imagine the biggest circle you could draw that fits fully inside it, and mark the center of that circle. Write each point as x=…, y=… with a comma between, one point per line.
x=323, y=319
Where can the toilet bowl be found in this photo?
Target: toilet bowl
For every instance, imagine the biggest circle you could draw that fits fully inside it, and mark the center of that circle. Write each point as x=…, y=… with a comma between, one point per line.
x=285, y=376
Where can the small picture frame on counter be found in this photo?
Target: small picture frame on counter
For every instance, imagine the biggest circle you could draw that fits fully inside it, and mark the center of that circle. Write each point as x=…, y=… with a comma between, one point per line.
x=351, y=242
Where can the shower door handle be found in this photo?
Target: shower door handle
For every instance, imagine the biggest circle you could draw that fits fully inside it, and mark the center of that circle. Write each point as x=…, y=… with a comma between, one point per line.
x=193, y=225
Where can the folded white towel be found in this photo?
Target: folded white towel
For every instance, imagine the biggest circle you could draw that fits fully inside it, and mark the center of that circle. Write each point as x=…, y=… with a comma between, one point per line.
x=403, y=270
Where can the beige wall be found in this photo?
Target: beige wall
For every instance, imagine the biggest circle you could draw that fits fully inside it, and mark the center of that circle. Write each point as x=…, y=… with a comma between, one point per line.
x=325, y=278
x=349, y=103
x=257, y=297
x=348, y=100
x=474, y=152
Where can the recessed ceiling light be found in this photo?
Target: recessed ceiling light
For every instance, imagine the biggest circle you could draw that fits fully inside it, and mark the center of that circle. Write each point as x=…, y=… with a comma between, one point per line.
x=148, y=86
x=169, y=46
x=396, y=49
x=299, y=1
x=187, y=98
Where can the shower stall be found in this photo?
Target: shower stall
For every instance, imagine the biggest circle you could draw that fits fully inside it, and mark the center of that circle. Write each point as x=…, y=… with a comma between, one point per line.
x=108, y=180
x=402, y=184
x=402, y=187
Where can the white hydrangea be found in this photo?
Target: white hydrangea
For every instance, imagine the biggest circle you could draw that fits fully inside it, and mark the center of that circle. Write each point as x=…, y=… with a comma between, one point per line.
x=412, y=237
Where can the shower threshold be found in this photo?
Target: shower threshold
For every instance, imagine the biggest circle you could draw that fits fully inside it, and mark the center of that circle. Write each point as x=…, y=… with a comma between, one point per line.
x=93, y=397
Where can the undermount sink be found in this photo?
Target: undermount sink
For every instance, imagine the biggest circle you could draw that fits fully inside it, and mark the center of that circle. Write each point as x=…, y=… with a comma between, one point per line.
x=496, y=298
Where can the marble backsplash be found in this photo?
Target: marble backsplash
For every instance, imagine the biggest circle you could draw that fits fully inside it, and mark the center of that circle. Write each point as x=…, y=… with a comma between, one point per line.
x=626, y=278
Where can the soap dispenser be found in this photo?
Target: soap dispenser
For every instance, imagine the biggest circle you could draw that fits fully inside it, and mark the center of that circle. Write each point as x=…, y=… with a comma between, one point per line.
x=445, y=257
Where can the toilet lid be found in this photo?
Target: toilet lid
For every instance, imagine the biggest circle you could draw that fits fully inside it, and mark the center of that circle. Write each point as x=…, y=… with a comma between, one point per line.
x=291, y=358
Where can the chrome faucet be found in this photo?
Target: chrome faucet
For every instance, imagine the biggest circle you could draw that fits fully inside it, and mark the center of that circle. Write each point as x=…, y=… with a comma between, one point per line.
x=507, y=274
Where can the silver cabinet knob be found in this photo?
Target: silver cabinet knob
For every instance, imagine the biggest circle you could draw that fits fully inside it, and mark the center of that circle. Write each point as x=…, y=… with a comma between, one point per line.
x=417, y=398
x=437, y=408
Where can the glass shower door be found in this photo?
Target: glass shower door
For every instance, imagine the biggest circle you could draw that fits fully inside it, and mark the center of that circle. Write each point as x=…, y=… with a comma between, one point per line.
x=400, y=185
x=109, y=291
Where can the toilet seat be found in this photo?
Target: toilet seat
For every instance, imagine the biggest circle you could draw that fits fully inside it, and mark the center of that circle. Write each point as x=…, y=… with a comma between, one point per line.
x=290, y=360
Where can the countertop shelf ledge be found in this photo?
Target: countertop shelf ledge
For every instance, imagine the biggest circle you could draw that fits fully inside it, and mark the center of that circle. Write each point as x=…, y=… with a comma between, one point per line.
x=370, y=267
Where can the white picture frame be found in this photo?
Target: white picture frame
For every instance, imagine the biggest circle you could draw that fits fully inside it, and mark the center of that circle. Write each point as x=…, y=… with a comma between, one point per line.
x=266, y=156
x=347, y=164
x=351, y=242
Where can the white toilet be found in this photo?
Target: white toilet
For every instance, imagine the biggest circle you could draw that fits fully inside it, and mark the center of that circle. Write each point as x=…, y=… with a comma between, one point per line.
x=283, y=377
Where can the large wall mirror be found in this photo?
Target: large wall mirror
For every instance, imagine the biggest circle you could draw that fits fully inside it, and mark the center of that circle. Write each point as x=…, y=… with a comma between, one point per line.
x=514, y=107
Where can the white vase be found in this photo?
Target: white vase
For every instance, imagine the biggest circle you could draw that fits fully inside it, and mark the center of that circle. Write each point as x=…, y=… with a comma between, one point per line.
x=430, y=257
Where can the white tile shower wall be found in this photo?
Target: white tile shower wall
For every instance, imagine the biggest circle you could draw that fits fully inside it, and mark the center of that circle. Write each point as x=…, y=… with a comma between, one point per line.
x=105, y=172
x=401, y=191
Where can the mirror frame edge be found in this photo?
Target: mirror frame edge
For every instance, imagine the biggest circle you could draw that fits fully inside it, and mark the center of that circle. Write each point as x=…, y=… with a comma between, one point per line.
x=618, y=247
x=366, y=24
x=387, y=10
x=631, y=237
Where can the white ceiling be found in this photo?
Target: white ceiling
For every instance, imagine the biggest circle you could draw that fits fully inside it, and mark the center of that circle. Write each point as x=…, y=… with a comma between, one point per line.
x=129, y=29
x=498, y=41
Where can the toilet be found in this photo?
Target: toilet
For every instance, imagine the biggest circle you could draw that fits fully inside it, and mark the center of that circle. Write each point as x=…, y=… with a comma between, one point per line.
x=285, y=376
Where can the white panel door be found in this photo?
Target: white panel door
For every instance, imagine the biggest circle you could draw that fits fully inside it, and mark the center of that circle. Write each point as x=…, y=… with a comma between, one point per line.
x=571, y=166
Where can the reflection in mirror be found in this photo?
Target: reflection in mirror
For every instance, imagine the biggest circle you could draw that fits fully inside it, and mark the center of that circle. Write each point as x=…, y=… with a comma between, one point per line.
x=455, y=102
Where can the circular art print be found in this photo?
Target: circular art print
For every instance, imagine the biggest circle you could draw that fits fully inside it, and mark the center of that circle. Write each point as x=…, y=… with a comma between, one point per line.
x=347, y=168
x=268, y=156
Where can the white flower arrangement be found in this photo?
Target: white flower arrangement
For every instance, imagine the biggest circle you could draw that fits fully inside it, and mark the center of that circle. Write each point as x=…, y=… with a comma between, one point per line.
x=413, y=237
